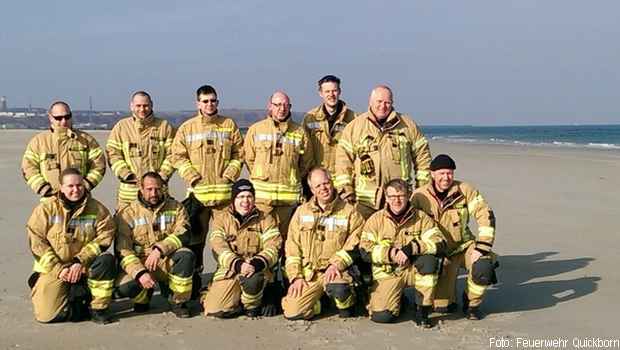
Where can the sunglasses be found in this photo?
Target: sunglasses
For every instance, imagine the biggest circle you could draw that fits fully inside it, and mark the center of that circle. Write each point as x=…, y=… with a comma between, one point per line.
x=212, y=100
x=61, y=117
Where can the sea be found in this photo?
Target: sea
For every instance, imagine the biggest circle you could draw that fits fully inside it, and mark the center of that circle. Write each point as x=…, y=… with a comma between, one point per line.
x=603, y=137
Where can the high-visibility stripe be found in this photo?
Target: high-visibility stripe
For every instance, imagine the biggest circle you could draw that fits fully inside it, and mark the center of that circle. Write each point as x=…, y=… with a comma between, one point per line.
x=179, y=284
x=46, y=262
x=428, y=281
x=290, y=260
x=226, y=257
x=342, y=180
x=473, y=204
x=128, y=260
x=101, y=289
x=346, y=145
x=368, y=236
x=379, y=250
x=235, y=164
x=95, y=176
x=474, y=288
x=142, y=297
x=35, y=180
x=345, y=257
x=421, y=142
x=219, y=134
x=118, y=165
x=217, y=234
x=423, y=175
x=185, y=167
x=94, y=153
x=269, y=234
x=345, y=304
x=271, y=255
x=113, y=144
x=93, y=248
x=427, y=238
x=487, y=232
x=30, y=155
x=174, y=241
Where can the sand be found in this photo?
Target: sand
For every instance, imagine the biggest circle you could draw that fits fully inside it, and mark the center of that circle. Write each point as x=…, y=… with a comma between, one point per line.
x=556, y=234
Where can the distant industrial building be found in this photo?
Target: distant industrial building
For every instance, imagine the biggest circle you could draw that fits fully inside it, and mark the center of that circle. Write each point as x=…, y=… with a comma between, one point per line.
x=3, y=105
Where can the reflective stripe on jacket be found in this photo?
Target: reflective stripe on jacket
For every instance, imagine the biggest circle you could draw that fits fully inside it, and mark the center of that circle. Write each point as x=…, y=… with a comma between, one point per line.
x=461, y=203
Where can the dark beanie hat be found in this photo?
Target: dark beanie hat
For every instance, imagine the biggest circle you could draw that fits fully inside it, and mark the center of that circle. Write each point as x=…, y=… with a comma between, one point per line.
x=443, y=161
x=241, y=185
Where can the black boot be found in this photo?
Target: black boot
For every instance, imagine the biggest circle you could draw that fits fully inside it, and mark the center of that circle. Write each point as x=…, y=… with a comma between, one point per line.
x=346, y=313
x=141, y=308
x=450, y=309
x=180, y=310
x=421, y=316
x=102, y=316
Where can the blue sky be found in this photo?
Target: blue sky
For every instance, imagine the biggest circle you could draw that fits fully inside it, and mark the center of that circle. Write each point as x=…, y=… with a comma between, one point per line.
x=449, y=62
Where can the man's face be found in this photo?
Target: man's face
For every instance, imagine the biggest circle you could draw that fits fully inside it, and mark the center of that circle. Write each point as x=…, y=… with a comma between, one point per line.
x=141, y=106
x=151, y=190
x=396, y=200
x=321, y=187
x=330, y=93
x=443, y=179
x=72, y=187
x=279, y=107
x=207, y=104
x=60, y=115
x=381, y=103
x=244, y=203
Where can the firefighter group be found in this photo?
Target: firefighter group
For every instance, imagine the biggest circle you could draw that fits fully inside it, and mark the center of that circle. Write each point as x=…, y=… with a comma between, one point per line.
x=343, y=212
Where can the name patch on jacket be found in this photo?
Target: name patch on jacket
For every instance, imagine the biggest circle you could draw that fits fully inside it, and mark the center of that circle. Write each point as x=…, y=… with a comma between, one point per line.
x=329, y=222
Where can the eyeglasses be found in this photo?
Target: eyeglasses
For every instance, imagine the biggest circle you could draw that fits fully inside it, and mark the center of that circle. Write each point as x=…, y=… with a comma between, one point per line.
x=212, y=100
x=395, y=197
x=281, y=105
x=61, y=117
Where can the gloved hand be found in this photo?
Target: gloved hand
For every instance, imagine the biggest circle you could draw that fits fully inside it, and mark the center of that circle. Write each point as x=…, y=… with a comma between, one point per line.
x=130, y=179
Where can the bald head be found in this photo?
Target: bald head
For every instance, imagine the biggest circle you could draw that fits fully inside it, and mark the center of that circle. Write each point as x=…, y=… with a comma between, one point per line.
x=380, y=101
x=279, y=106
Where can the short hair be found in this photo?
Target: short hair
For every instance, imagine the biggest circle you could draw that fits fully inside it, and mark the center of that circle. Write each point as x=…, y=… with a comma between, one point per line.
x=329, y=79
x=205, y=90
x=153, y=175
x=399, y=185
x=69, y=171
x=141, y=93
x=317, y=169
x=56, y=103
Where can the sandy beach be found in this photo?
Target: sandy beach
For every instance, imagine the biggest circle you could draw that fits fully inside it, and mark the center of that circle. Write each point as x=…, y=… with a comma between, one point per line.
x=556, y=237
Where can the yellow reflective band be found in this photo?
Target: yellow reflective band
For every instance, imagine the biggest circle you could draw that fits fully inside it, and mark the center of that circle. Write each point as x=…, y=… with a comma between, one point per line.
x=128, y=260
x=428, y=281
x=142, y=297
x=95, y=176
x=46, y=262
x=269, y=234
x=345, y=257
x=93, y=248
x=235, y=164
x=423, y=175
x=290, y=260
x=342, y=180
x=379, y=250
x=474, y=288
x=226, y=257
x=118, y=165
x=180, y=285
x=346, y=145
x=486, y=232
x=368, y=236
x=427, y=238
x=35, y=180
x=94, y=153
x=174, y=241
x=185, y=167
x=471, y=206
x=345, y=304
x=101, y=289
x=32, y=156
x=113, y=144
x=217, y=234
x=421, y=142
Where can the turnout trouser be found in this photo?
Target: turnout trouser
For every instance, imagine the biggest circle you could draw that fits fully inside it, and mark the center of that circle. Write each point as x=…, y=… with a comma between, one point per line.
x=225, y=297
x=174, y=270
x=50, y=295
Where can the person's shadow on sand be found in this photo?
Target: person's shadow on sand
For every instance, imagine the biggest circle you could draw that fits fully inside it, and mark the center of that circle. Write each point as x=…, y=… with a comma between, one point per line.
x=517, y=292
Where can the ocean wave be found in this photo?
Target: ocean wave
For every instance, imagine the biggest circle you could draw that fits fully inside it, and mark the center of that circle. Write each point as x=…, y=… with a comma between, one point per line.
x=494, y=140
x=604, y=145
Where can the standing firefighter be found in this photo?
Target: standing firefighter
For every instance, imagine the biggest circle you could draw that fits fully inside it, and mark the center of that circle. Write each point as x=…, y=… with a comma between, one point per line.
x=401, y=242
x=153, y=232
x=278, y=158
x=453, y=203
x=208, y=153
x=326, y=122
x=321, y=246
x=246, y=244
x=378, y=146
x=67, y=235
x=139, y=144
x=59, y=148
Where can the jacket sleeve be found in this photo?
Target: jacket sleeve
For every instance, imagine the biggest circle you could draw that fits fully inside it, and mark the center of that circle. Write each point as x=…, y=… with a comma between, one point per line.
x=346, y=256
x=270, y=240
x=378, y=250
x=96, y=164
x=180, y=157
x=31, y=165
x=248, y=149
x=422, y=157
x=45, y=258
x=105, y=230
x=225, y=256
x=478, y=207
x=293, y=250
x=307, y=156
x=167, y=168
x=345, y=156
x=431, y=239
x=116, y=159
x=233, y=169
x=180, y=235
x=129, y=260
